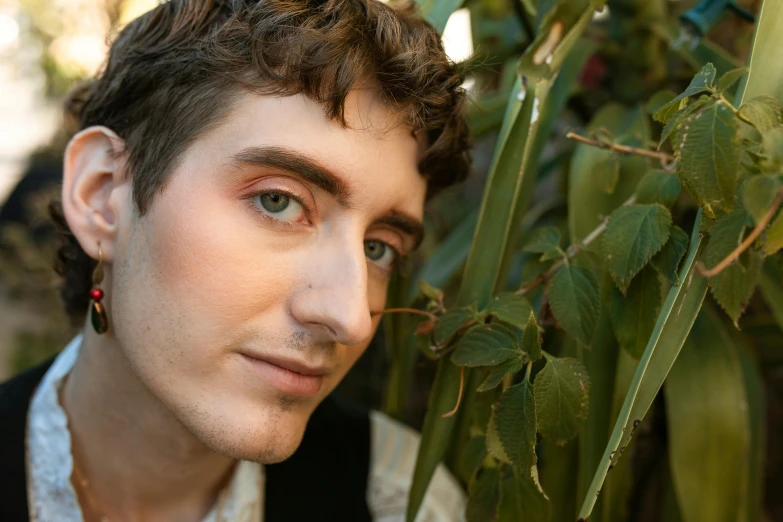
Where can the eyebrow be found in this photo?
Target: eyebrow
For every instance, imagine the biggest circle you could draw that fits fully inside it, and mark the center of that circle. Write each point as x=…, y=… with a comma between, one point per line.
x=298, y=163
x=313, y=172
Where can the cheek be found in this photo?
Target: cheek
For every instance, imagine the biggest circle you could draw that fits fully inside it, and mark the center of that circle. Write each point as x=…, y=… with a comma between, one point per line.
x=211, y=260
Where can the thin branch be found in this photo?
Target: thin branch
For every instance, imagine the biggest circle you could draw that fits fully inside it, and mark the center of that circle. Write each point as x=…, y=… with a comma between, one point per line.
x=410, y=311
x=459, y=394
x=762, y=224
x=664, y=158
x=572, y=251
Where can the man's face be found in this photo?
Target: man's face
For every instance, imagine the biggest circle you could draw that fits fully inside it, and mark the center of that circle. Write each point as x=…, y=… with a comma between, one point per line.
x=252, y=284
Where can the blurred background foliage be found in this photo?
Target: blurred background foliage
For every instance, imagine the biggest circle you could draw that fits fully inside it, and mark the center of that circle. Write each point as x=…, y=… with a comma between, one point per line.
x=631, y=50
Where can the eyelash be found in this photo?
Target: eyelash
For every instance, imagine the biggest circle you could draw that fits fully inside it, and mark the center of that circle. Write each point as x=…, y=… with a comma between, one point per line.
x=398, y=256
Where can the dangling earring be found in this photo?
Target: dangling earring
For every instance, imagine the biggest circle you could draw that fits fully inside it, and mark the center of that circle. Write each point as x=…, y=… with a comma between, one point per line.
x=100, y=321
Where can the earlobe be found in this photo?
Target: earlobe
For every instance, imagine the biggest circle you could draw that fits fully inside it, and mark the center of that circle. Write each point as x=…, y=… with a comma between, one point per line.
x=94, y=186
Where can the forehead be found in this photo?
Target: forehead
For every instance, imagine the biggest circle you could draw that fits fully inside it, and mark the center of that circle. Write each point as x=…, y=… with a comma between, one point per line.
x=375, y=154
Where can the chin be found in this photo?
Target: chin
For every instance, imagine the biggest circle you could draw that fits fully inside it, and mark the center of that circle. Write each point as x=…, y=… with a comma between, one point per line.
x=267, y=436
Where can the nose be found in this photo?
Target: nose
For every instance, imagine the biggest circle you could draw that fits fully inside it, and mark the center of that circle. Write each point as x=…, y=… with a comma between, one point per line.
x=332, y=303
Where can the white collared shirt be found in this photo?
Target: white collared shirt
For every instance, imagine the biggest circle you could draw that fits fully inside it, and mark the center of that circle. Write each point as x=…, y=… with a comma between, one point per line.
x=393, y=455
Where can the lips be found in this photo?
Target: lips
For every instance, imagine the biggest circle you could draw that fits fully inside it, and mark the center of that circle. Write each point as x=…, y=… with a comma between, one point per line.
x=289, y=376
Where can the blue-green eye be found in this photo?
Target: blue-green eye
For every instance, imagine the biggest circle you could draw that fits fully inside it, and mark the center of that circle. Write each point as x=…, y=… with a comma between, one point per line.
x=280, y=206
x=375, y=249
x=274, y=201
x=380, y=253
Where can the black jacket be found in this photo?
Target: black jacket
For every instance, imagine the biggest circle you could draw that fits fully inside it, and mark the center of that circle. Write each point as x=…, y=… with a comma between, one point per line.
x=325, y=479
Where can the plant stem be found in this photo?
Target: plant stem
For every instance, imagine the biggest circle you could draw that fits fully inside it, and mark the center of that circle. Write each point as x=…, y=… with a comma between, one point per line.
x=410, y=311
x=459, y=393
x=762, y=224
x=572, y=251
x=664, y=158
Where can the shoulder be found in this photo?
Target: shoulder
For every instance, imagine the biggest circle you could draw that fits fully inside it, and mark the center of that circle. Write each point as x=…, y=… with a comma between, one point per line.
x=15, y=395
x=393, y=458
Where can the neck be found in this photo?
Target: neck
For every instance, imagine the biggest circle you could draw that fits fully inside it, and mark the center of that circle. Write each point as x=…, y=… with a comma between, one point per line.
x=140, y=461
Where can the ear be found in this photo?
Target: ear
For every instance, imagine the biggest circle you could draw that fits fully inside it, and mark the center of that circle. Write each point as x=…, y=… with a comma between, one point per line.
x=95, y=188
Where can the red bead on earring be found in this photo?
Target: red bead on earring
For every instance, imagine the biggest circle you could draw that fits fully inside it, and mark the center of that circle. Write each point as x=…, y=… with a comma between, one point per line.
x=98, y=317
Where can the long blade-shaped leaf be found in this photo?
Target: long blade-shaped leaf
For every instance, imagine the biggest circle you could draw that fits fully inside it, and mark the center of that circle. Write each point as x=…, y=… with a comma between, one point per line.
x=447, y=258
x=771, y=287
x=397, y=328
x=754, y=390
x=709, y=429
x=766, y=75
x=671, y=329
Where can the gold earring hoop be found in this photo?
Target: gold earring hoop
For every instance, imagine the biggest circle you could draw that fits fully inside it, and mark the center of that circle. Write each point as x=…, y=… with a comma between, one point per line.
x=98, y=317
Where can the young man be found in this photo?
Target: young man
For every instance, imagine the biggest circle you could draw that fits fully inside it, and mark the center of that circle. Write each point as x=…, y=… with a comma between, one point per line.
x=245, y=179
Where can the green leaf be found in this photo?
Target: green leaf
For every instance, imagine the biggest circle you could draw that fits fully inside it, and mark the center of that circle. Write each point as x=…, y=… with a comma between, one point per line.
x=494, y=446
x=771, y=287
x=658, y=100
x=509, y=308
x=730, y=78
x=562, y=391
x=515, y=420
x=542, y=239
x=733, y=287
x=633, y=315
x=703, y=82
x=484, y=346
x=677, y=119
x=668, y=112
x=606, y=173
x=559, y=29
x=758, y=193
x=757, y=412
x=633, y=235
x=766, y=75
x=559, y=480
x=668, y=259
x=764, y=112
x=708, y=154
x=483, y=496
x=555, y=253
x=709, y=429
x=450, y=322
x=521, y=499
x=574, y=300
x=772, y=151
x=774, y=240
x=658, y=186
x=471, y=457
x=531, y=340
x=497, y=373
x=435, y=433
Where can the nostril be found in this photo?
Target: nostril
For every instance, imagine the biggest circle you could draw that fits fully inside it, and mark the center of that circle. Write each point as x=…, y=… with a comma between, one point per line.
x=329, y=329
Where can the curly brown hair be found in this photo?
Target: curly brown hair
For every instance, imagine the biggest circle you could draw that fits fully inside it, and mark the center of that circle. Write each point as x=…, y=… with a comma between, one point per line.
x=176, y=71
